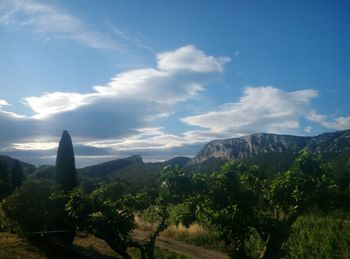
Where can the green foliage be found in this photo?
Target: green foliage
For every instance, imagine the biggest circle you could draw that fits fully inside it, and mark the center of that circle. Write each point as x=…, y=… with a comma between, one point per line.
x=108, y=212
x=111, y=191
x=16, y=175
x=3, y=172
x=230, y=207
x=104, y=219
x=175, y=185
x=306, y=184
x=317, y=236
x=33, y=207
x=65, y=173
x=5, y=190
x=44, y=172
x=240, y=203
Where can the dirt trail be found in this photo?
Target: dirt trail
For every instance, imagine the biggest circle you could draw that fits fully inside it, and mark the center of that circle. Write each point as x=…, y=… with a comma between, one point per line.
x=181, y=247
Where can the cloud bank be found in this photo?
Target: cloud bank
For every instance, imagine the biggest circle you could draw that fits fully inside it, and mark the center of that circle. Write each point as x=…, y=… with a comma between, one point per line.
x=119, y=112
x=265, y=109
x=122, y=117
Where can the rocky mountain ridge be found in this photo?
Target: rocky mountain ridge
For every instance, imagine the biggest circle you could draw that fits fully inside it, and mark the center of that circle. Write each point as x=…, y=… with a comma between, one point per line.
x=273, y=152
x=245, y=147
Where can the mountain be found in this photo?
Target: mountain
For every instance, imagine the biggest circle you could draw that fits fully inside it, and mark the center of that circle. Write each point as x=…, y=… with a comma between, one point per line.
x=131, y=170
x=274, y=152
x=9, y=163
x=248, y=146
x=104, y=170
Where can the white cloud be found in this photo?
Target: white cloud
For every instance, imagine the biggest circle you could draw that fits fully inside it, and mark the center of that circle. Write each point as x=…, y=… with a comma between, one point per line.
x=152, y=85
x=56, y=102
x=190, y=58
x=38, y=145
x=51, y=22
x=160, y=87
x=3, y=103
x=339, y=123
x=120, y=116
x=264, y=109
x=308, y=129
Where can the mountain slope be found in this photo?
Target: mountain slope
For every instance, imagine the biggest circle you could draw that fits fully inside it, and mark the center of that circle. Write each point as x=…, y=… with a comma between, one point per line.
x=248, y=146
x=275, y=152
x=9, y=162
x=131, y=170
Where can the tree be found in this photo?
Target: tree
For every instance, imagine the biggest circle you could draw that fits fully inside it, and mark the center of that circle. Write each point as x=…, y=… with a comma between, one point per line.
x=238, y=199
x=108, y=213
x=307, y=184
x=65, y=172
x=228, y=205
x=5, y=187
x=102, y=218
x=16, y=175
x=34, y=206
x=66, y=177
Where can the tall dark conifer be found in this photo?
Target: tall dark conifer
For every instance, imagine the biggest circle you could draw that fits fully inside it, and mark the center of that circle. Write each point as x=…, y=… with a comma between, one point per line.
x=16, y=174
x=65, y=173
x=66, y=177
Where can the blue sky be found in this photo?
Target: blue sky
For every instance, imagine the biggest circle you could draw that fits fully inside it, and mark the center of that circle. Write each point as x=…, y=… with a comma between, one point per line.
x=162, y=78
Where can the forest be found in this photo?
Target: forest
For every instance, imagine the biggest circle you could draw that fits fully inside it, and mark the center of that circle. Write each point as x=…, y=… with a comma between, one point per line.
x=239, y=209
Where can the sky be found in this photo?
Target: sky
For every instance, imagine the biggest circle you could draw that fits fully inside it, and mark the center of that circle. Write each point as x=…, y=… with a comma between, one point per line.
x=162, y=78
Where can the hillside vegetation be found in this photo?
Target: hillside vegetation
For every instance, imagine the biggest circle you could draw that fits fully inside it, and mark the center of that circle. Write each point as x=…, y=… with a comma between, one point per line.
x=275, y=199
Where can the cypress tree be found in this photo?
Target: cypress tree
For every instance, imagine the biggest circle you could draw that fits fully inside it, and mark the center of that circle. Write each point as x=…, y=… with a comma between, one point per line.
x=16, y=174
x=66, y=177
x=65, y=173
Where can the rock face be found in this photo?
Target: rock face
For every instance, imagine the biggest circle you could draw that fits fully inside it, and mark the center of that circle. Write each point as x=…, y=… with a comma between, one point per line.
x=262, y=143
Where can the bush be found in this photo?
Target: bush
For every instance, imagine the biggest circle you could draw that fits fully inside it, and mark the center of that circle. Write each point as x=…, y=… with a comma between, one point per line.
x=32, y=207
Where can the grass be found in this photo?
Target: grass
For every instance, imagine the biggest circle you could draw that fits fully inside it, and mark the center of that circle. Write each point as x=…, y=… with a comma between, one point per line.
x=312, y=236
x=100, y=246
x=320, y=237
x=92, y=243
x=196, y=235
x=13, y=247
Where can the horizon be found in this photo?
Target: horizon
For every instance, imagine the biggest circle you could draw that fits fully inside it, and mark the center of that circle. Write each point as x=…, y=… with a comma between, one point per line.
x=163, y=79
x=112, y=158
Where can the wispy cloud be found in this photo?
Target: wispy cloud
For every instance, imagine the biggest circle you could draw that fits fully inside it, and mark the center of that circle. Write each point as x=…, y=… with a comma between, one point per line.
x=265, y=109
x=163, y=85
x=190, y=58
x=3, y=103
x=51, y=22
x=118, y=117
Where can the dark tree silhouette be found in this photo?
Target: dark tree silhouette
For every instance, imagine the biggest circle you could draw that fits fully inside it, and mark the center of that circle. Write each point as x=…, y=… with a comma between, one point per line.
x=3, y=172
x=16, y=174
x=65, y=173
x=66, y=177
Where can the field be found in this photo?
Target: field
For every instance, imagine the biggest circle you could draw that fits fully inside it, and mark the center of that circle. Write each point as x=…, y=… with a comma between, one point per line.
x=312, y=237
x=13, y=247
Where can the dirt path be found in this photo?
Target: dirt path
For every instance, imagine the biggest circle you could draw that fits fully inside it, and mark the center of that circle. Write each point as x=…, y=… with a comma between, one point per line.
x=181, y=247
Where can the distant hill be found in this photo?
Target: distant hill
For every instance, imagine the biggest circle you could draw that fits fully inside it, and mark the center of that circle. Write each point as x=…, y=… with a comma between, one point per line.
x=131, y=170
x=274, y=152
x=9, y=163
